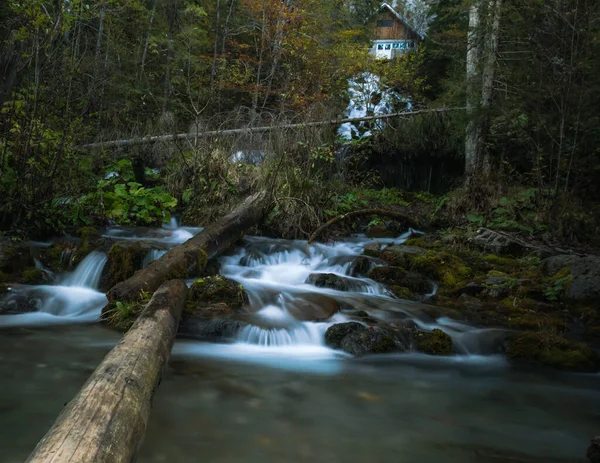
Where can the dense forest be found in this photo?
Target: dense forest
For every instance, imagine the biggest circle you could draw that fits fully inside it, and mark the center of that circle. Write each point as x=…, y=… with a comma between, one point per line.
x=339, y=212
x=75, y=72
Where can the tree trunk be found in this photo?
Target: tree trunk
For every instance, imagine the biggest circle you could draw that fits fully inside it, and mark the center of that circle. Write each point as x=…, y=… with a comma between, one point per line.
x=106, y=421
x=487, y=84
x=191, y=257
x=472, y=136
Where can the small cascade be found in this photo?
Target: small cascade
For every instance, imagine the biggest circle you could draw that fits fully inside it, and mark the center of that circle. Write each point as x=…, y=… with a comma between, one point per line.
x=153, y=254
x=88, y=272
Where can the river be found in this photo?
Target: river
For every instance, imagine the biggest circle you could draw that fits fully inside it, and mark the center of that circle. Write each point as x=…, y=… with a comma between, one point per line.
x=277, y=393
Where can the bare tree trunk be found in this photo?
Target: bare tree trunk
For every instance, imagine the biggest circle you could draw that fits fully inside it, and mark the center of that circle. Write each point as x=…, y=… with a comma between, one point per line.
x=487, y=85
x=213, y=71
x=106, y=421
x=147, y=43
x=472, y=134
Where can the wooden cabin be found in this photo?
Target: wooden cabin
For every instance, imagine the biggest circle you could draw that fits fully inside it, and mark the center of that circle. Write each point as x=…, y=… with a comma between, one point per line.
x=393, y=36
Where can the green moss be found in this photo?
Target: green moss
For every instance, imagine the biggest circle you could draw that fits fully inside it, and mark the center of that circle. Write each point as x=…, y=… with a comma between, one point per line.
x=435, y=342
x=448, y=269
x=402, y=292
x=81, y=253
x=552, y=350
x=496, y=273
x=420, y=242
x=558, y=285
x=215, y=290
x=122, y=315
x=503, y=263
x=124, y=259
x=88, y=234
x=32, y=276
x=202, y=260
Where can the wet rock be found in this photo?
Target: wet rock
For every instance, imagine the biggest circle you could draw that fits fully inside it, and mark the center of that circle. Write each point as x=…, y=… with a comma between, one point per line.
x=335, y=334
x=218, y=330
x=33, y=276
x=57, y=257
x=593, y=451
x=124, y=259
x=369, y=341
x=470, y=289
x=218, y=310
x=401, y=256
x=444, y=267
x=333, y=281
x=435, y=342
x=397, y=276
x=373, y=250
x=497, y=292
x=252, y=258
x=496, y=280
x=214, y=290
x=312, y=307
x=16, y=302
x=552, y=350
x=584, y=274
x=402, y=292
x=361, y=265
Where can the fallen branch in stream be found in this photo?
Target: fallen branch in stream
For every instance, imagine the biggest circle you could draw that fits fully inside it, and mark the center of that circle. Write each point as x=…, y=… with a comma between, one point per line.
x=406, y=221
x=191, y=257
x=106, y=421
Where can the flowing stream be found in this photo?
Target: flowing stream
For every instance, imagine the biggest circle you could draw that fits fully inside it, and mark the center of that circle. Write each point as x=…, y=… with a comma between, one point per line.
x=277, y=392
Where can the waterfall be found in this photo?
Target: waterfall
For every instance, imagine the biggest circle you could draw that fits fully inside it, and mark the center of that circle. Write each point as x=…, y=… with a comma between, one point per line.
x=88, y=272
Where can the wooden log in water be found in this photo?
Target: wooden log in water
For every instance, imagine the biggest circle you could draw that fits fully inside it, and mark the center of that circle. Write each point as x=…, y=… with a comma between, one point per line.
x=106, y=421
x=193, y=255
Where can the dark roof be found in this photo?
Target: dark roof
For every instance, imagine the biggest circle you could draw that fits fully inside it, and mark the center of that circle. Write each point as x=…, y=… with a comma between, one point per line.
x=385, y=6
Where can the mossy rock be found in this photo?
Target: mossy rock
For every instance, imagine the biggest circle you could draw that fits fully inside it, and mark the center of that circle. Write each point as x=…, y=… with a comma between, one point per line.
x=333, y=281
x=32, y=276
x=122, y=315
x=444, y=267
x=397, y=276
x=435, y=342
x=58, y=256
x=402, y=292
x=4, y=289
x=373, y=250
x=218, y=310
x=370, y=341
x=336, y=333
x=124, y=259
x=15, y=256
x=89, y=234
x=401, y=256
x=214, y=290
x=550, y=349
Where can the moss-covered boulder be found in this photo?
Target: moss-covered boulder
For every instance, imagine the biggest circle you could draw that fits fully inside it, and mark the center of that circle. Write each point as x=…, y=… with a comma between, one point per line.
x=33, y=276
x=213, y=290
x=444, y=267
x=434, y=342
x=370, y=341
x=336, y=333
x=401, y=256
x=577, y=277
x=124, y=259
x=373, y=250
x=397, y=276
x=383, y=230
x=89, y=234
x=402, y=292
x=15, y=256
x=550, y=349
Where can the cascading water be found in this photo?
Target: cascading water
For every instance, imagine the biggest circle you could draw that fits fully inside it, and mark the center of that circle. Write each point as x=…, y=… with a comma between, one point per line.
x=88, y=272
x=74, y=300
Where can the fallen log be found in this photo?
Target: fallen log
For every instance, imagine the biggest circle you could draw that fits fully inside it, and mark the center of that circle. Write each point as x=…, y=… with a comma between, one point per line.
x=106, y=421
x=399, y=216
x=191, y=257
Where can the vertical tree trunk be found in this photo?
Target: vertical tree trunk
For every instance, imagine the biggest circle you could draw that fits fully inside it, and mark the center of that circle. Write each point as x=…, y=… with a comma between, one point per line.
x=213, y=71
x=473, y=95
x=487, y=85
x=147, y=42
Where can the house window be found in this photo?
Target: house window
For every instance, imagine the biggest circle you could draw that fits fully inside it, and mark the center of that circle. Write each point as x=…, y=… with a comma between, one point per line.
x=380, y=46
x=385, y=23
x=402, y=45
x=388, y=46
x=396, y=45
